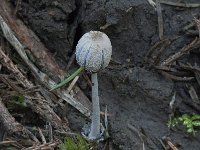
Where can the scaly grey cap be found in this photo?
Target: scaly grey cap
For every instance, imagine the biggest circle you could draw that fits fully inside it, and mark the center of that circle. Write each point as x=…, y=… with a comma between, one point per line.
x=93, y=51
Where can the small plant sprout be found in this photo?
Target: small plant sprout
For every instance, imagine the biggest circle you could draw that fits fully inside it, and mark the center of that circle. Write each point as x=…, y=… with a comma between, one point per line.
x=93, y=52
x=75, y=143
x=191, y=122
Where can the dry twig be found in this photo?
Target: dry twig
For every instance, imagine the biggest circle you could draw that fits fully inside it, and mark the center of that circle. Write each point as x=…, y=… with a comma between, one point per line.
x=6, y=62
x=161, y=46
x=197, y=76
x=197, y=21
x=173, y=77
x=194, y=69
x=46, y=146
x=72, y=83
x=42, y=136
x=7, y=142
x=194, y=44
x=12, y=142
x=193, y=94
x=171, y=145
x=140, y=135
x=152, y=3
x=168, y=143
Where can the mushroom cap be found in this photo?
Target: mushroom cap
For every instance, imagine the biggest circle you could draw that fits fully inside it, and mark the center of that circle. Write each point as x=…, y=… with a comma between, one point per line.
x=93, y=51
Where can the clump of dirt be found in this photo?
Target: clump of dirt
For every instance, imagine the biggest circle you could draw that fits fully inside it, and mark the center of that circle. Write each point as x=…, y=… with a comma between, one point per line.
x=137, y=96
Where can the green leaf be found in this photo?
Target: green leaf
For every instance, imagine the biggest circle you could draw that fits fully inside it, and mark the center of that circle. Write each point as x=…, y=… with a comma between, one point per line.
x=190, y=130
x=83, y=145
x=180, y=119
x=70, y=144
x=195, y=117
x=189, y=126
x=76, y=143
x=186, y=122
x=196, y=123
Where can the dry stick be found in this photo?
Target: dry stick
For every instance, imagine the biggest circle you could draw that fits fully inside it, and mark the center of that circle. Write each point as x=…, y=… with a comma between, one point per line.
x=163, y=145
x=7, y=142
x=171, y=145
x=198, y=25
x=105, y=26
x=13, y=126
x=7, y=81
x=50, y=132
x=16, y=145
x=158, y=56
x=192, y=33
x=45, y=146
x=152, y=49
x=140, y=135
x=166, y=68
x=188, y=5
x=42, y=77
x=173, y=77
x=194, y=69
x=42, y=136
x=194, y=44
x=43, y=109
x=160, y=19
x=187, y=27
x=171, y=103
x=197, y=76
x=72, y=84
x=152, y=3
x=190, y=67
x=193, y=94
x=5, y=60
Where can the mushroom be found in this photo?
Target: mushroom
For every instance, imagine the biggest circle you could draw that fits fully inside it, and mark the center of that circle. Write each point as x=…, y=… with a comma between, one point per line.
x=93, y=52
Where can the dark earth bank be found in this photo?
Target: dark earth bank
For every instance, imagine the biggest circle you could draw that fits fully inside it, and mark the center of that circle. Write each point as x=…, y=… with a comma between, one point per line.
x=136, y=94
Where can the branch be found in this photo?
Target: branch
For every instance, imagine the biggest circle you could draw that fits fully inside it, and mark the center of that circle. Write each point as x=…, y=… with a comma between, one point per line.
x=186, y=49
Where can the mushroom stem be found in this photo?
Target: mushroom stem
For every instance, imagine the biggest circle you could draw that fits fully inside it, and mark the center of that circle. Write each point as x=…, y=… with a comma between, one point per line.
x=95, y=126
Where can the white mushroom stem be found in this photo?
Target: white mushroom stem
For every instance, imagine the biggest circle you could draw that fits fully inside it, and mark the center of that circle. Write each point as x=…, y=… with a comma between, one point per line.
x=95, y=126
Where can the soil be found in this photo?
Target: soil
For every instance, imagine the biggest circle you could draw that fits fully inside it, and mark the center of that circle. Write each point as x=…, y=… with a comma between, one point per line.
x=136, y=95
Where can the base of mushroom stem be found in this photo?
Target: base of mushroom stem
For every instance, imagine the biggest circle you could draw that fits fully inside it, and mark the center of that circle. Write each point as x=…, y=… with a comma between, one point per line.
x=101, y=137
